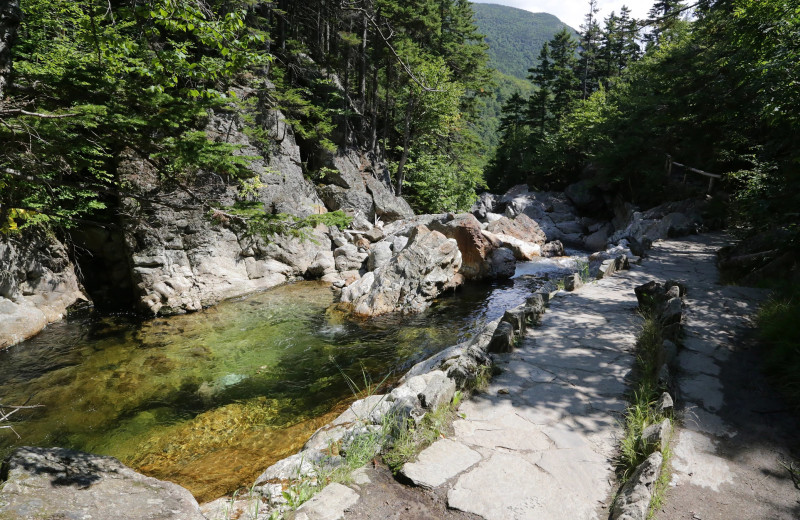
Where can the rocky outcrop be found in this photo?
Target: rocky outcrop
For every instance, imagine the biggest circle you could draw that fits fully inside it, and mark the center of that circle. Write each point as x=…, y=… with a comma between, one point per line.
x=37, y=284
x=357, y=181
x=671, y=219
x=59, y=483
x=426, y=266
x=181, y=260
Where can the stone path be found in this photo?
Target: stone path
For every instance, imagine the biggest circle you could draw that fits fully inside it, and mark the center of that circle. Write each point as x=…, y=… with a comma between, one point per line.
x=539, y=443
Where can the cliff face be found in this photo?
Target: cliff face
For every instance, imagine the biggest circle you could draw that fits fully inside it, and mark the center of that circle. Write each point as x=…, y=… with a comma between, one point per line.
x=181, y=260
x=37, y=284
x=167, y=255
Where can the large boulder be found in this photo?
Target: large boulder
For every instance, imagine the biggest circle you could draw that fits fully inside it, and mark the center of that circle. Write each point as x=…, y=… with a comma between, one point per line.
x=486, y=203
x=387, y=206
x=521, y=227
x=474, y=246
x=337, y=198
x=359, y=182
x=585, y=195
x=37, y=284
x=421, y=271
x=59, y=483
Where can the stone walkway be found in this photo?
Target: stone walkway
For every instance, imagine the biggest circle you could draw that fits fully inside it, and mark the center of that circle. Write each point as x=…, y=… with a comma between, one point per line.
x=540, y=442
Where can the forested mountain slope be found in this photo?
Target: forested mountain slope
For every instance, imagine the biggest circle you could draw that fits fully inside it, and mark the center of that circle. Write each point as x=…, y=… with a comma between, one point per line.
x=515, y=36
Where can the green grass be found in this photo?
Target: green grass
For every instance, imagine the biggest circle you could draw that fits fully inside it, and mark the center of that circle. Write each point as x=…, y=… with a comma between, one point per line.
x=777, y=323
x=409, y=441
x=643, y=408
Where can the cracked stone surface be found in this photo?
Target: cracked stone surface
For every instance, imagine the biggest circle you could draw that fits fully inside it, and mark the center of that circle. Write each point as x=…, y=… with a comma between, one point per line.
x=546, y=429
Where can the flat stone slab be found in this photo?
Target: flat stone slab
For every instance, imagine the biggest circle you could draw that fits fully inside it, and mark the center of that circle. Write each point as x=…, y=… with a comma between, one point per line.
x=439, y=462
x=508, y=486
x=329, y=504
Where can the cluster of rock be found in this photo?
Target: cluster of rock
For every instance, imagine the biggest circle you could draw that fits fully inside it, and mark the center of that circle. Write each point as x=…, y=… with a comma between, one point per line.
x=419, y=258
x=665, y=303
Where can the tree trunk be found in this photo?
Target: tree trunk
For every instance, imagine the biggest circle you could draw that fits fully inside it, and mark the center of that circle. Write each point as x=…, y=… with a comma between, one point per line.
x=398, y=190
x=10, y=17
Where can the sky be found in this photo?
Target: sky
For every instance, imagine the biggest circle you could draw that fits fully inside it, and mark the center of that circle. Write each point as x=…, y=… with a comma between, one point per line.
x=572, y=12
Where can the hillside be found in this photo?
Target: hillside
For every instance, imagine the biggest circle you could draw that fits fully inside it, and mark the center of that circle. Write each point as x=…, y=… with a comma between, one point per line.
x=515, y=36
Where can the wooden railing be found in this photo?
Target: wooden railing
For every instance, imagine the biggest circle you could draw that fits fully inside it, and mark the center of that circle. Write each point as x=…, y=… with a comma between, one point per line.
x=711, y=176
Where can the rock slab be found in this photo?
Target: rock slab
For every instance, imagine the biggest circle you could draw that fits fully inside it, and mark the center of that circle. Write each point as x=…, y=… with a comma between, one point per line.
x=441, y=461
x=59, y=483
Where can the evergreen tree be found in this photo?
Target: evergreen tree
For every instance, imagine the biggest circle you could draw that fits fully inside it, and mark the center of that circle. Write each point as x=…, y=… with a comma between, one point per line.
x=587, y=68
x=565, y=82
x=663, y=16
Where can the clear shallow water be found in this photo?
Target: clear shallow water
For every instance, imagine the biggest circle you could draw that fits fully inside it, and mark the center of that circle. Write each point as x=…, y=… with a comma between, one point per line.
x=210, y=399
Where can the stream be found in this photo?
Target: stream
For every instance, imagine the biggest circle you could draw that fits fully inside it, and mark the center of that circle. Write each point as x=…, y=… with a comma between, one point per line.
x=209, y=400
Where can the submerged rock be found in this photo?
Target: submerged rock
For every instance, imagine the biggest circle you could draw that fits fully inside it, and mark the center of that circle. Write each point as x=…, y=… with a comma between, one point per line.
x=420, y=272
x=60, y=483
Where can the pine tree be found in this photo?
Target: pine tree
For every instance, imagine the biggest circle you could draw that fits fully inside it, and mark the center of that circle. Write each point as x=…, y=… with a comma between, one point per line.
x=589, y=48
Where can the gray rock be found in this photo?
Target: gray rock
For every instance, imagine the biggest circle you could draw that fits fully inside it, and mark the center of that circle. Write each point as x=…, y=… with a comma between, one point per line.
x=379, y=255
x=570, y=227
x=664, y=377
x=398, y=243
x=584, y=195
x=598, y=240
x=329, y=504
x=554, y=248
x=672, y=312
x=374, y=235
x=573, y=282
x=547, y=291
x=517, y=317
x=60, y=483
x=349, y=258
x=297, y=466
x=441, y=461
x=338, y=198
x=670, y=350
x=612, y=265
x=420, y=272
x=503, y=338
x=657, y=435
x=634, y=498
x=485, y=204
x=502, y=263
x=387, y=205
x=665, y=403
x=438, y=391
x=37, y=284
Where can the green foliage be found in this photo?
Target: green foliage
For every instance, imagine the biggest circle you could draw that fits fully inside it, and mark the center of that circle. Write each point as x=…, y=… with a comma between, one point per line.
x=776, y=322
x=249, y=217
x=92, y=79
x=411, y=439
x=515, y=36
x=642, y=410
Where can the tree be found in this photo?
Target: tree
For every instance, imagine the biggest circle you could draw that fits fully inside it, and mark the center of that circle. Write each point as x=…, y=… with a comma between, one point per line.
x=663, y=16
x=589, y=50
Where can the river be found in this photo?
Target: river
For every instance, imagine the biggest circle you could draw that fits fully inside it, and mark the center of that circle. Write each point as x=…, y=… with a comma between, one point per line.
x=210, y=399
